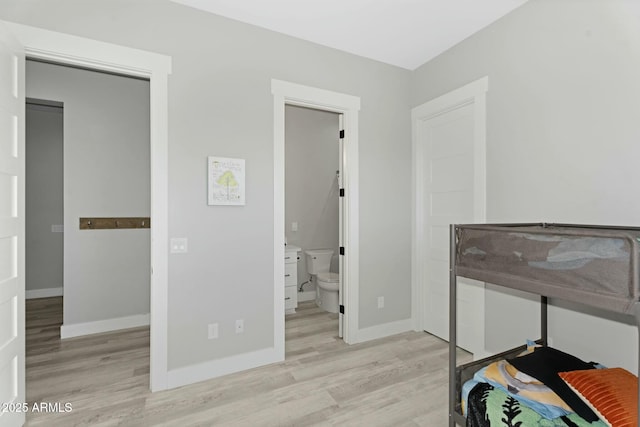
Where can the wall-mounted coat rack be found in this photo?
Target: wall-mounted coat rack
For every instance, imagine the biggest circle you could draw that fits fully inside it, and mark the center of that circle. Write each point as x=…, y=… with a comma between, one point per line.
x=114, y=223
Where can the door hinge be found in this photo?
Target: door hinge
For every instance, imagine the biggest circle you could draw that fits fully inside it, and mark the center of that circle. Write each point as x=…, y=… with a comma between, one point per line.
x=342, y=309
x=342, y=192
x=342, y=134
x=341, y=250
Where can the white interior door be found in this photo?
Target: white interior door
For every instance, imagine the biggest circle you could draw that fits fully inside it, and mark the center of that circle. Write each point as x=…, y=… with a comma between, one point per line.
x=447, y=143
x=340, y=228
x=12, y=170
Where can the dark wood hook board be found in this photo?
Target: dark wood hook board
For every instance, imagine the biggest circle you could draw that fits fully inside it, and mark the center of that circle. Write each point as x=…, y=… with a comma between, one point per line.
x=114, y=223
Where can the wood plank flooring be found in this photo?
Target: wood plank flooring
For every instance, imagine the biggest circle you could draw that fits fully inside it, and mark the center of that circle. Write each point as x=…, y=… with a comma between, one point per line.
x=395, y=381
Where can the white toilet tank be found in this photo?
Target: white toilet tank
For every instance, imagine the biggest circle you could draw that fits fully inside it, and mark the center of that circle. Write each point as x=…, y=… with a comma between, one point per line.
x=318, y=260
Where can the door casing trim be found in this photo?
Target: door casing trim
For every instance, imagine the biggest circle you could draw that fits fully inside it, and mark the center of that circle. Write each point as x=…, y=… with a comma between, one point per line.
x=287, y=93
x=83, y=52
x=472, y=93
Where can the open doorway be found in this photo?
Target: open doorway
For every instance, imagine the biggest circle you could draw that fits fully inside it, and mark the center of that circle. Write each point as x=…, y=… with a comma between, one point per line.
x=87, y=155
x=106, y=174
x=347, y=107
x=63, y=48
x=313, y=167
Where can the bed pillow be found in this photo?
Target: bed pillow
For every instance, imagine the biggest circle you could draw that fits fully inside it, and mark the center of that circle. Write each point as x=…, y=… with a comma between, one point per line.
x=611, y=393
x=544, y=364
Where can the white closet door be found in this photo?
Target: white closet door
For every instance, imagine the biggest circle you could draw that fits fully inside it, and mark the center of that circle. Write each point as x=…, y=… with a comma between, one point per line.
x=447, y=142
x=12, y=171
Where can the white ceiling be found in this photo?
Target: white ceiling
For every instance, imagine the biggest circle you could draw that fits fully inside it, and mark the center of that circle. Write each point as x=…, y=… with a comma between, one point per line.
x=405, y=33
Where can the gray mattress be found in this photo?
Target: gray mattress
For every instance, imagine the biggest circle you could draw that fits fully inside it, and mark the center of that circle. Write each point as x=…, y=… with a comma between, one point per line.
x=596, y=266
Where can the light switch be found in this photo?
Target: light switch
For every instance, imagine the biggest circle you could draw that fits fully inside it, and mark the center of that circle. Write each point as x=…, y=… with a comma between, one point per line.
x=294, y=226
x=213, y=331
x=178, y=245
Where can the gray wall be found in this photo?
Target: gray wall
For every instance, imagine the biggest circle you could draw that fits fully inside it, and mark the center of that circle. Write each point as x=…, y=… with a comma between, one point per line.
x=220, y=103
x=106, y=173
x=562, y=142
x=311, y=186
x=44, y=257
x=562, y=146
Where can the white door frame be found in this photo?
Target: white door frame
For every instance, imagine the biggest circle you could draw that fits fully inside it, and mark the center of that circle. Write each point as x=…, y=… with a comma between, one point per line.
x=341, y=203
x=79, y=51
x=472, y=93
x=286, y=93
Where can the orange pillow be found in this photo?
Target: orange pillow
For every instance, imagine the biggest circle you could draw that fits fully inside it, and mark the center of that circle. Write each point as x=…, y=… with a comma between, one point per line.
x=611, y=393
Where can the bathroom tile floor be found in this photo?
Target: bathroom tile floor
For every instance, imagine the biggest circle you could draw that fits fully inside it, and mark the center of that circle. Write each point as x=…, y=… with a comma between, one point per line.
x=395, y=381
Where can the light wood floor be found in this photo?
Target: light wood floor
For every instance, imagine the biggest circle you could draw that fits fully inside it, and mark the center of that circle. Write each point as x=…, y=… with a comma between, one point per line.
x=395, y=381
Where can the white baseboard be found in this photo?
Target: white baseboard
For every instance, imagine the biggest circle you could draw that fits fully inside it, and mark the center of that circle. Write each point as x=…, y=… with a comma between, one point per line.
x=217, y=368
x=384, y=330
x=99, y=326
x=43, y=293
x=306, y=296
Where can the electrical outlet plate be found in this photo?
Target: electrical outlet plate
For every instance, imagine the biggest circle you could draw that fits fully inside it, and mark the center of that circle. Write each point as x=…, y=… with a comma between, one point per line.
x=380, y=302
x=178, y=245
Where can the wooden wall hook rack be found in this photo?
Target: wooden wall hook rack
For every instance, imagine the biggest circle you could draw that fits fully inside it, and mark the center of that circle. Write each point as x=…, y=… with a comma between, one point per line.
x=114, y=223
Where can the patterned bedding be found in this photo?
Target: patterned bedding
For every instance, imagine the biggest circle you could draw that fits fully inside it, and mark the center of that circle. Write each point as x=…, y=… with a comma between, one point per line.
x=491, y=407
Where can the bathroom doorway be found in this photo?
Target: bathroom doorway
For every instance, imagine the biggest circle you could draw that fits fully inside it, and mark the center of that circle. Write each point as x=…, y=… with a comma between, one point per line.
x=347, y=107
x=313, y=166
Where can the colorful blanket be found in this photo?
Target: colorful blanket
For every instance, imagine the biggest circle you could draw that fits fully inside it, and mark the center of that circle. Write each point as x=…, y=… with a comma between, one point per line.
x=492, y=407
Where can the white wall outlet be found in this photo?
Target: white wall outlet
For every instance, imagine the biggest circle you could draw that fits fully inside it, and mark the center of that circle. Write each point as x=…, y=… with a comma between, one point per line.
x=380, y=302
x=178, y=245
x=213, y=331
x=294, y=226
x=239, y=326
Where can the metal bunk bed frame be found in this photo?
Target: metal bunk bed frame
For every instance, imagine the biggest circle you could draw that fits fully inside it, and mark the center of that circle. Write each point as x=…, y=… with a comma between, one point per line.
x=458, y=375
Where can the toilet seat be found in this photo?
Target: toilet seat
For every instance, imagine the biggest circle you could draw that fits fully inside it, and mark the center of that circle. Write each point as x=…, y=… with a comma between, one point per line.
x=329, y=282
x=329, y=277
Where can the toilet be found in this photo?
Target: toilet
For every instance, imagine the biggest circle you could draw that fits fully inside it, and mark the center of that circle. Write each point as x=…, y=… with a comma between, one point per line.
x=318, y=264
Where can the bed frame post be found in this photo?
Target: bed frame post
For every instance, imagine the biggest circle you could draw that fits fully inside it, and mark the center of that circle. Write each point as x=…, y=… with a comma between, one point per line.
x=636, y=311
x=453, y=359
x=543, y=320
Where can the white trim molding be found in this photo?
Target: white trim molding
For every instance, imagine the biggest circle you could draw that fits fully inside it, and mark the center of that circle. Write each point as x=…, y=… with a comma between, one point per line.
x=79, y=51
x=43, y=293
x=219, y=367
x=286, y=93
x=100, y=326
x=473, y=93
x=384, y=330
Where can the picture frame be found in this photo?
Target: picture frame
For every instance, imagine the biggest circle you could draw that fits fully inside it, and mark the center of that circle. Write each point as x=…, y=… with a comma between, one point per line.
x=226, y=181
